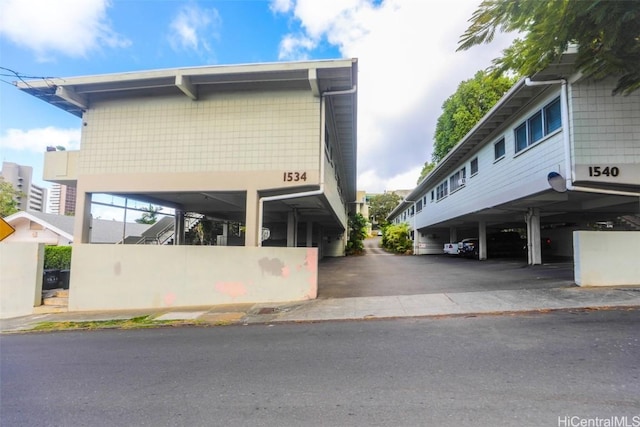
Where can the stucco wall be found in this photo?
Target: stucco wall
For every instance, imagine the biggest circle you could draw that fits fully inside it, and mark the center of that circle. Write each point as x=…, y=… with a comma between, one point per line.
x=20, y=278
x=606, y=258
x=112, y=277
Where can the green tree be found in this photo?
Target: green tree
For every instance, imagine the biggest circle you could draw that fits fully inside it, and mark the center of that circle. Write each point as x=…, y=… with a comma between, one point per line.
x=150, y=215
x=428, y=167
x=464, y=109
x=381, y=205
x=8, y=198
x=607, y=35
x=357, y=234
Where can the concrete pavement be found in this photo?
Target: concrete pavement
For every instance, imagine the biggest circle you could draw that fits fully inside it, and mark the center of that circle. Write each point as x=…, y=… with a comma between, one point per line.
x=362, y=308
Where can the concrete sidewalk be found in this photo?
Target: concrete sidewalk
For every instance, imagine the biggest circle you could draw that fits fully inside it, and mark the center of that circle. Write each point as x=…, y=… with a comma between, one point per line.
x=440, y=304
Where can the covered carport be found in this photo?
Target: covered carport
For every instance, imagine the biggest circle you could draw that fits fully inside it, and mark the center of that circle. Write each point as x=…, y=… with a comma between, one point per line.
x=549, y=215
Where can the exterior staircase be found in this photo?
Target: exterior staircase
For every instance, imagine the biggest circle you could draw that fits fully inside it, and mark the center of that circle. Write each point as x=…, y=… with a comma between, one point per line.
x=162, y=232
x=53, y=301
x=632, y=222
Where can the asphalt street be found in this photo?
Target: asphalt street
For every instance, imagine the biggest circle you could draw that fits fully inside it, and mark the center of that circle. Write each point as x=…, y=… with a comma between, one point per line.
x=515, y=370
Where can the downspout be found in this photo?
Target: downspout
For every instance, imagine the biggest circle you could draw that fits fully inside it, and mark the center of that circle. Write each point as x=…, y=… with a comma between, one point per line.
x=320, y=189
x=566, y=139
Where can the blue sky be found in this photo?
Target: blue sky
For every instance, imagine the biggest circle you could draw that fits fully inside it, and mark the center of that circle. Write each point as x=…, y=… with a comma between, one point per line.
x=406, y=52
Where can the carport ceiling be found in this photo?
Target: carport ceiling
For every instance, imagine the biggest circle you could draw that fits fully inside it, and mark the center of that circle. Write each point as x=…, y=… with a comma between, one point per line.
x=569, y=207
x=231, y=205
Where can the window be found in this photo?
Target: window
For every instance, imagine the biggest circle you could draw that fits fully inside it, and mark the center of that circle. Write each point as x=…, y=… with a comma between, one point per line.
x=498, y=149
x=419, y=205
x=521, y=137
x=535, y=127
x=474, y=166
x=539, y=125
x=457, y=180
x=442, y=190
x=432, y=195
x=552, y=117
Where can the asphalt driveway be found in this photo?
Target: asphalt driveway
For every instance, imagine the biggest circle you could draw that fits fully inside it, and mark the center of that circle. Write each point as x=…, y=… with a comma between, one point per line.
x=378, y=273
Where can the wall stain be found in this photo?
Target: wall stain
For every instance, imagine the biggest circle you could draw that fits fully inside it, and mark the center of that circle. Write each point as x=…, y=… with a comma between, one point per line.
x=273, y=266
x=169, y=299
x=232, y=289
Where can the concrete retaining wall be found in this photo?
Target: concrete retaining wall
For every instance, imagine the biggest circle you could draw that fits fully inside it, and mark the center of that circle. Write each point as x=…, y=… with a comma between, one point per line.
x=112, y=277
x=20, y=278
x=606, y=258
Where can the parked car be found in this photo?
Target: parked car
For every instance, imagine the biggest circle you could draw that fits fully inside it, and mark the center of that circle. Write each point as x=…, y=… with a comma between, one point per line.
x=451, y=248
x=468, y=248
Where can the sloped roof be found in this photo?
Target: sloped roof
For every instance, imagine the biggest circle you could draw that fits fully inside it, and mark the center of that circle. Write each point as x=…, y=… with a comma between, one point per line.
x=102, y=231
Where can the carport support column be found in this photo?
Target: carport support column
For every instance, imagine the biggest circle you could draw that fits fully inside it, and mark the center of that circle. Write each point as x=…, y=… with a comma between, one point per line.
x=534, y=248
x=178, y=228
x=482, y=240
x=82, y=224
x=453, y=235
x=252, y=234
x=291, y=230
x=309, y=240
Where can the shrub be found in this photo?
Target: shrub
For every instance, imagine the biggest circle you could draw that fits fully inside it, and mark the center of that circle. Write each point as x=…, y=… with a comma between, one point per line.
x=57, y=257
x=396, y=238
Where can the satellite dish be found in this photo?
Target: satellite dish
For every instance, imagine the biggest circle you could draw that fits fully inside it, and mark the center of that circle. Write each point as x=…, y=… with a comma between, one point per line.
x=557, y=182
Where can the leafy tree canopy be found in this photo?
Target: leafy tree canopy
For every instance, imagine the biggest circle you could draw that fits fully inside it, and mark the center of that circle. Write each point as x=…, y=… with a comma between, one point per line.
x=8, y=198
x=428, y=167
x=462, y=110
x=150, y=215
x=381, y=205
x=607, y=35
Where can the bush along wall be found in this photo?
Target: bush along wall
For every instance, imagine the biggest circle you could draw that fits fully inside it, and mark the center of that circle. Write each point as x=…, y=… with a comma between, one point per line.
x=57, y=257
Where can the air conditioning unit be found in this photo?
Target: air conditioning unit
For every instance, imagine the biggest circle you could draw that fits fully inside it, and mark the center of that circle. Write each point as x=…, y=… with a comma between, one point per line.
x=461, y=181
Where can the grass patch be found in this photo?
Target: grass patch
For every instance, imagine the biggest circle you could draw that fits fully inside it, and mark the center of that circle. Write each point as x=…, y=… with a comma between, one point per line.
x=133, y=323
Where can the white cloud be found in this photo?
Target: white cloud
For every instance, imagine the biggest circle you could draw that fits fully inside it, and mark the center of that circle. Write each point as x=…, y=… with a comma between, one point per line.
x=37, y=140
x=408, y=66
x=192, y=27
x=295, y=47
x=281, y=6
x=70, y=27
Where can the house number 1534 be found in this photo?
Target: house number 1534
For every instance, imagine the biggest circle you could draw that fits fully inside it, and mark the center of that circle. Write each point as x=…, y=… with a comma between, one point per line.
x=294, y=176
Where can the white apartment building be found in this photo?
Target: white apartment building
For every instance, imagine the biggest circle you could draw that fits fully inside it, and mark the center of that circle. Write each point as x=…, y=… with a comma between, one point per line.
x=62, y=199
x=20, y=177
x=558, y=153
x=270, y=146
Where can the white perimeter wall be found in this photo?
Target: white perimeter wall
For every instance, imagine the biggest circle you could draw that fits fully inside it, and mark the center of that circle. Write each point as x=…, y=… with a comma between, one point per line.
x=113, y=277
x=606, y=258
x=20, y=278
